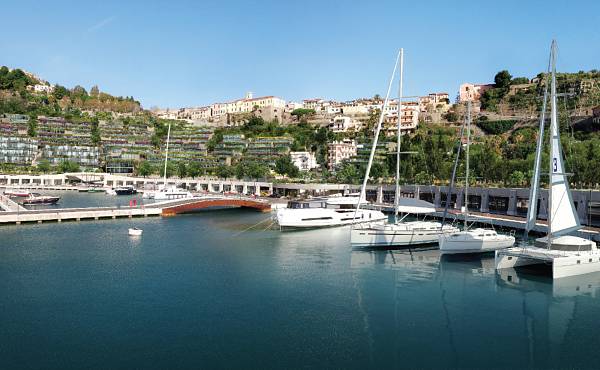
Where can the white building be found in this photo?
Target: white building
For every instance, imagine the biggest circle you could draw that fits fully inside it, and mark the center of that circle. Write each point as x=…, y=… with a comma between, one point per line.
x=305, y=161
x=340, y=150
x=333, y=109
x=408, y=122
x=42, y=88
x=316, y=104
x=247, y=105
x=355, y=109
x=343, y=124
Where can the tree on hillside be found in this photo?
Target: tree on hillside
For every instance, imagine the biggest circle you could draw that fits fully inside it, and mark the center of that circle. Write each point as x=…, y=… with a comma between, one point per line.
x=302, y=112
x=144, y=169
x=194, y=169
x=32, y=126
x=519, y=81
x=251, y=169
x=502, y=79
x=60, y=92
x=78, y=92
x=94, y=91
x=43, y=166
x=68, y=166
x=285, y=166
x=181, y=170
x=224, y=171
x=347, y=173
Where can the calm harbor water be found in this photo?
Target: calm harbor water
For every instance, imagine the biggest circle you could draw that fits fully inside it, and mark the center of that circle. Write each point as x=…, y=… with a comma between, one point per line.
x=195, y=291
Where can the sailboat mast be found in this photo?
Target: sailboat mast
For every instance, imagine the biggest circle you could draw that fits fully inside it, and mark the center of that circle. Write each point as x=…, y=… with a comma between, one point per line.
x=467, y=163
x=553, y=130
x=399, y=140
x=363, y=189
x=167, y=154
x=535, y=180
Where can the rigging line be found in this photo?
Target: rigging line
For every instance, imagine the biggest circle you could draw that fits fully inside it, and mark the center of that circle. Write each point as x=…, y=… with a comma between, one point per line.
x=451, y=186
x=252, y=226
x=363, y=189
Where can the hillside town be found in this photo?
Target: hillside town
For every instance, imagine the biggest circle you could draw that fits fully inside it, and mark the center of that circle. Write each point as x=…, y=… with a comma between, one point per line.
x=317, y=136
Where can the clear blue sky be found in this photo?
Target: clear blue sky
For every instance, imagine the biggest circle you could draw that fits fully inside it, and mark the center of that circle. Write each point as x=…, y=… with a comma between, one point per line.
x=191, y=53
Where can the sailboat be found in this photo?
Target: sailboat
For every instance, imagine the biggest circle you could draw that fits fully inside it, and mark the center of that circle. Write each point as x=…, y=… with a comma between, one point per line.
x=399, y=232
x=567, y=255
x=477, y=240
x=168, y=192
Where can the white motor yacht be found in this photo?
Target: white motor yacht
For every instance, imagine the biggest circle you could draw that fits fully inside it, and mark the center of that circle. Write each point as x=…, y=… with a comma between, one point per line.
x=567, y=255
x=170, y=193
x=325, y=212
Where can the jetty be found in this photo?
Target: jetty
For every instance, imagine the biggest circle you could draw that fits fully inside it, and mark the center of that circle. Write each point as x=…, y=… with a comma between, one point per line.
x=7, y=204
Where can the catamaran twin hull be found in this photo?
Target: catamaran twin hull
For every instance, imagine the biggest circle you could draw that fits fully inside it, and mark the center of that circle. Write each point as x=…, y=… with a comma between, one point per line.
x=390, y=236
x=568, y=256
x=312, y=218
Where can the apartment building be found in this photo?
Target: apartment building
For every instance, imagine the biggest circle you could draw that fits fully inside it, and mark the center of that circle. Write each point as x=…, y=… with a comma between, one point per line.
x=339, y=151
x=409, y=120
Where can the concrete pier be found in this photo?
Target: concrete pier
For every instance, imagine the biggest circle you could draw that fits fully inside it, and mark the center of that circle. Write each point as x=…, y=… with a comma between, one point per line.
x=7, y=204
x=75, y=214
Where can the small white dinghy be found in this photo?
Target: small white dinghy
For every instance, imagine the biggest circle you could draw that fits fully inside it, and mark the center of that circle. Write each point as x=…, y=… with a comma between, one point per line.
x=134, y=231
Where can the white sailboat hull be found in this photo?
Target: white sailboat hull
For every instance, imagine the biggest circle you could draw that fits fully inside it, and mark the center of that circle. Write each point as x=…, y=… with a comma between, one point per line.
x=402, y=234
x=474, y=241
x=309, y=218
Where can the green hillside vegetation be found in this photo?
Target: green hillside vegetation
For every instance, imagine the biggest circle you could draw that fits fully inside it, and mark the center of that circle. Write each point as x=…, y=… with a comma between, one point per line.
x=16, y=98
x=519, y=95
x=502, y=153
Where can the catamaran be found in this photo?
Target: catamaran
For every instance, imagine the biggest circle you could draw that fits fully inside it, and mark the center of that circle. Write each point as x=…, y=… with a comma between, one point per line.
x=167, y=192
x=479, y=240
x=399, y=232
x=567, y=255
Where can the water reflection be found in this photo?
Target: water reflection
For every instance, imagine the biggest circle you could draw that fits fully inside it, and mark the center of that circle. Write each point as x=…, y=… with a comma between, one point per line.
x=465, y=313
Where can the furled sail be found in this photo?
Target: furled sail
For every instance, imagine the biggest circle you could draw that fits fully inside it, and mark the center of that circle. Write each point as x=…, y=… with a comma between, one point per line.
x=563, y=216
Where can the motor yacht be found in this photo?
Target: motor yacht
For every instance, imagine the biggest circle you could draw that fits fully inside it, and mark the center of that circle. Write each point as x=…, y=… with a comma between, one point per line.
x=36, y=198
x=125, y=190
x=168, y=193
x=325, y=212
